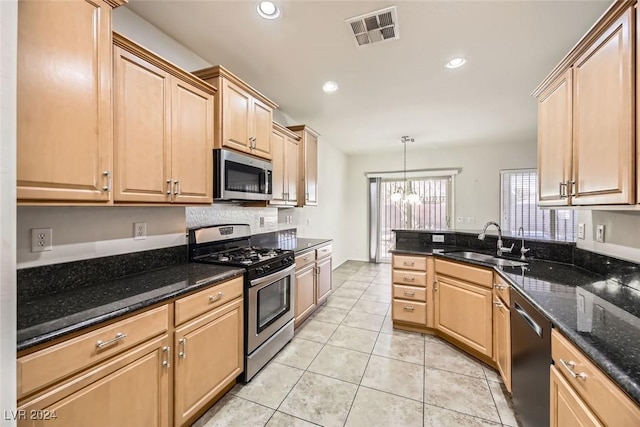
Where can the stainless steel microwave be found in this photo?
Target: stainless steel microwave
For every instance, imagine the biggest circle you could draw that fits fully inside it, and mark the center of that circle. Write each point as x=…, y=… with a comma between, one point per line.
x=238, y=176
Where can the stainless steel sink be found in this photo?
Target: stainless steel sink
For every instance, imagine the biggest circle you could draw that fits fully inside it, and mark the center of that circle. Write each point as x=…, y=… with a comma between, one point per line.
x=487, y=258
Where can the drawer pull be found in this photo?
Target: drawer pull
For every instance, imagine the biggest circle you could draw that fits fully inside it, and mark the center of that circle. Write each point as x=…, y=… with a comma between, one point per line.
x=500, y=287
x=408, y=263
x=569, y=366
x=409, y=278
x=408, y=308
x=167, y=350
x=214, y=298
x=305, y=258
x=410, y=293
x=119, y=337
x=498, y=304
x=183, y=342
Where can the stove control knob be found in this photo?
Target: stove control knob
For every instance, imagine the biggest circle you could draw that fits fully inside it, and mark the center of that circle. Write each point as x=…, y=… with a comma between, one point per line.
x=288, y=259
x=267, y=267
x=260, y=270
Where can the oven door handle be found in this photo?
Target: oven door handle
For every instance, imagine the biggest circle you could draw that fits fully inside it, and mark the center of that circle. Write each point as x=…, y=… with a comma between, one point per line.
x=273, y=277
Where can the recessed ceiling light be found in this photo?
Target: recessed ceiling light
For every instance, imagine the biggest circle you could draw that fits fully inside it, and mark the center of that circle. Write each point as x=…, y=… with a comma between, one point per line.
x=268, y=10
x=455, y=63
x=330, y=86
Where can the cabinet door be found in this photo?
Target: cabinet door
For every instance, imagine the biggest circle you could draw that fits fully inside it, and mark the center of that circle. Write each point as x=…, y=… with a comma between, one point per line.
x=305, y=293
x=236, y=120
x=567, y=408
x=291, y=165
x=142, y=124
x=554, y=141
x=64, y=100
x=603, y=144
x=209, y=355
x=131, y=389
x=191, y=144
x=502, y=340
x=311, y=170
x=278, y=164
x=464, y=312
x=324, y=279
x=262, y=122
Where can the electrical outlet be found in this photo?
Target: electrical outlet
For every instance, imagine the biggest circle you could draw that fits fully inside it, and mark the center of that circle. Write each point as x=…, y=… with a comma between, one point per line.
x=139, y=230
x=471, y=220
x=581, y=230
x=460, y=219
x=600, y=233
x=41, y=239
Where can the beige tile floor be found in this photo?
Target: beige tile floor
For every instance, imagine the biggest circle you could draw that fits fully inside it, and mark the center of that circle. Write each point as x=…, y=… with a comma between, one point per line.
x=347, y=366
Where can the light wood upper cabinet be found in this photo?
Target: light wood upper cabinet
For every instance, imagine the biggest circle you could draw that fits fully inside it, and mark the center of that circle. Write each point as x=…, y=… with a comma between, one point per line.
x=603, y=144
x=555, y=141
x=308, y=167
x=284, y=150
x=163, y=130
x=64, y=101
x=191, y=143
x=243, y=116
x=586, y=134
x=142, y=127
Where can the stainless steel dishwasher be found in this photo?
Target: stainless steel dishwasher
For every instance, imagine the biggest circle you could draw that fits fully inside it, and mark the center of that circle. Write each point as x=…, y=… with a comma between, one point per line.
x=531, y=358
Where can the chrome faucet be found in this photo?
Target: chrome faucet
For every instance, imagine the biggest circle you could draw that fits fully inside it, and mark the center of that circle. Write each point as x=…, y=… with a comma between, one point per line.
x=501, y=249
x=523, y=250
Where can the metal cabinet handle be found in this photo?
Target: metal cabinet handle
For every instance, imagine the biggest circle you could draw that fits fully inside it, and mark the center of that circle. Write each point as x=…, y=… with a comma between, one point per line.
x=408, y=263
x=563, y=194
x=409, y=278
x=570, y=366
x=214, y=298
x=408, y=308
x=108, y=175
x=498, y=304
x=435, y=286
x=167, y=362
x=410, y=293
x=119, y=337
x=572, y=192
x=306, y=258
x=500, y=287
x=307, y=196
x=169, y=186
x=176, y=186
x=183, y=343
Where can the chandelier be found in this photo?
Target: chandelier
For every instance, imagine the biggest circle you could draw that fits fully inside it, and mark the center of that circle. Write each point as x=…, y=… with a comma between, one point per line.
x=406, y=194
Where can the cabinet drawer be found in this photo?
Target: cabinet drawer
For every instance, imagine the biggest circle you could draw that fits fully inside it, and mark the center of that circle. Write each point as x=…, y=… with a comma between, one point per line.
x=305, y=259
x=410, y=277
x=406, y=262
x=610, y=404
x=502, y=289
x=203, y=301
x=46, y=366
x=324, y=251
x=480, y=276
x=409, y=293
x=410, y=312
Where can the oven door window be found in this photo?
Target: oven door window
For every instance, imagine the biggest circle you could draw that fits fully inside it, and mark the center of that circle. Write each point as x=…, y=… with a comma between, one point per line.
x=273, y=302
x=244, y=178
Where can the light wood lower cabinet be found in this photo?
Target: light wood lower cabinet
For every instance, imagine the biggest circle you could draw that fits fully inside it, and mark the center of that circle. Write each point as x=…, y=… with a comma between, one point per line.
x=502, y=339
x=129, y=389
x=313, y=281
x=567, y=409
x=208, y=355
x=412, y=280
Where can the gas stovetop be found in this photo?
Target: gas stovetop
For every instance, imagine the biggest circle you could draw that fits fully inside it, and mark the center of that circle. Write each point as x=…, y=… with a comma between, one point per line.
x=230, y=245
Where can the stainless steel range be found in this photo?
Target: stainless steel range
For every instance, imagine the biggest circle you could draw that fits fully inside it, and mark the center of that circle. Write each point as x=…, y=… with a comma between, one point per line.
x=268, y=299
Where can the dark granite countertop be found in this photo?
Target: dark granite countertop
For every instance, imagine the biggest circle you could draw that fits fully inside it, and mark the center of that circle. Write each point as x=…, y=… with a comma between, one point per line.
x=301, y=244
x=599, y=314
x=46, y=317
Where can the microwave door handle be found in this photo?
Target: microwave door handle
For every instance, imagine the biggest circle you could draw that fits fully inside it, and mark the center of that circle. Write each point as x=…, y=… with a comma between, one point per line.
x=266, y=181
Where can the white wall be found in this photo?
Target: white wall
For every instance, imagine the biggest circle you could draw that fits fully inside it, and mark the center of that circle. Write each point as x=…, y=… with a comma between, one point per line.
x=622, y=233
x=8, y=55
x=477, y=187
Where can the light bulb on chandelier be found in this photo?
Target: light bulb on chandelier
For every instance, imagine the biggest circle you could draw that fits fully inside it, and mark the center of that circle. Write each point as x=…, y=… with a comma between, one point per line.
x=407, y=194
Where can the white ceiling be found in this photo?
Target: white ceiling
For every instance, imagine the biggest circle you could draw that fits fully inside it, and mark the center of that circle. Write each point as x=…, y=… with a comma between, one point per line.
x=393, y=88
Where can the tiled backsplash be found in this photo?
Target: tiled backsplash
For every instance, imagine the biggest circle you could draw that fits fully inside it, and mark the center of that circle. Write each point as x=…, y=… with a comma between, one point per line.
x=233, y=214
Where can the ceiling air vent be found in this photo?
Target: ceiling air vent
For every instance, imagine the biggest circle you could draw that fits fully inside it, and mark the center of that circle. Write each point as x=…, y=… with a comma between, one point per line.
x=375, y=27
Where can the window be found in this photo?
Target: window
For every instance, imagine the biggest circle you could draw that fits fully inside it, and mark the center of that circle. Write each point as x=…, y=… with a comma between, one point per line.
x=519, y=208
x=431, y=212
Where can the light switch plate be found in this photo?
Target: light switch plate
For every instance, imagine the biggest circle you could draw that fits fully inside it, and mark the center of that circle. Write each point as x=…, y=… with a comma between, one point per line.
x=600, y=233
x=581, y=230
